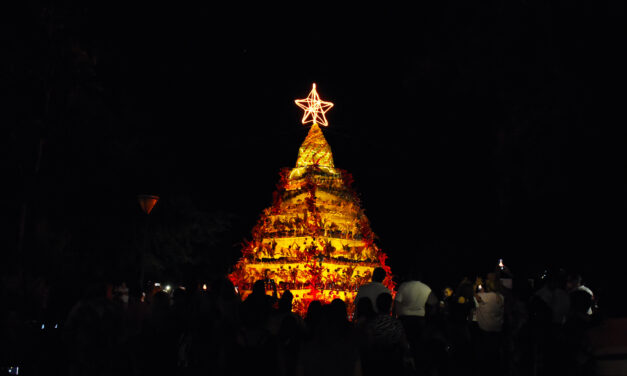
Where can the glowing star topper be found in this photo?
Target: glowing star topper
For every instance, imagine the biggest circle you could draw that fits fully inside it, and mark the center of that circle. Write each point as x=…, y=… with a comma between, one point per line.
x=314, y=108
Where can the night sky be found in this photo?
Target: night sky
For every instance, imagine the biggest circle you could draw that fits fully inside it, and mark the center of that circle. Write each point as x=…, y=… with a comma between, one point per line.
x=473, y=131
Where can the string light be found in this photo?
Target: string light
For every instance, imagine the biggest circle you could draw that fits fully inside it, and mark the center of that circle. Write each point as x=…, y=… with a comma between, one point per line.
x=314, y=108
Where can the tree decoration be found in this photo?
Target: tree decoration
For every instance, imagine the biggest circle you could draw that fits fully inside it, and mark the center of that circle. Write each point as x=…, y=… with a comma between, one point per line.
x=315, y=239
x=314, y=108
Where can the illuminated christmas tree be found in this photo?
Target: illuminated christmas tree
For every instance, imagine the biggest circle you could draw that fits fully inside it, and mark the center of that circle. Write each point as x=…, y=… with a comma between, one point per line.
x=315, y=239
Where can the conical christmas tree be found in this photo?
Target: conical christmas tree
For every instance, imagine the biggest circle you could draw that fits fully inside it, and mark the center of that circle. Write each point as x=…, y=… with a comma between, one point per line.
x=315, y=239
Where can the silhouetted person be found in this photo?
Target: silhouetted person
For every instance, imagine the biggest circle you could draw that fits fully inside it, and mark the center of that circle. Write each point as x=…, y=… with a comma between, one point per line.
x=554, y=294
x=226, y=306
x=290, y=337
x=284, y=309
x=159, y=336
x=333, y=349
x=257, y=307
x=374, y=288
x=227, y=302
x=574, y=283
x=285, y=302
x=389, y=345
x=362, y=320
x=364, y=311
x=460, y=309
x=313, y=318
x=549, y=308
x=256, y=348
x=577, y=350
x=94, y=333
x=520, y=333
x=490, y=305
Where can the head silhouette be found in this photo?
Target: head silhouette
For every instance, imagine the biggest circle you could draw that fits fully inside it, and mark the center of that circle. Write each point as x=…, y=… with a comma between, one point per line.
x=364, y=308
x=573, y=281
x=259, y=288
x=314, y=311
x=336, y=315
x=378, y=274
x=285, y=303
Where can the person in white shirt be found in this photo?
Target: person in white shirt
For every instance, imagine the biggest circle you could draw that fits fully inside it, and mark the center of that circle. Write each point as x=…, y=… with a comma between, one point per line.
x=410, y=306
x=412, y=298
x=374, y=288
x=490, y=308
x=554, y=295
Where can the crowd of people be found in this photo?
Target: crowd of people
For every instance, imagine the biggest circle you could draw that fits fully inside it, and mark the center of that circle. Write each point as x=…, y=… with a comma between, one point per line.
x=489, y=325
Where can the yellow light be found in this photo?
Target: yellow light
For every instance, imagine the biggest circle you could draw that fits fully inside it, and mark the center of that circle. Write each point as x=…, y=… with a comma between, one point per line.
x=314, y=240
x=314, y=108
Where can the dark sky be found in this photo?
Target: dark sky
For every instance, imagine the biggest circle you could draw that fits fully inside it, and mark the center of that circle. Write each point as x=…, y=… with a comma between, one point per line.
x=473, y=131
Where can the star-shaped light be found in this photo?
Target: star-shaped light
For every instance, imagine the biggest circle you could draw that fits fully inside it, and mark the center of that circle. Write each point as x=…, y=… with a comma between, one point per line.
x=314, y=108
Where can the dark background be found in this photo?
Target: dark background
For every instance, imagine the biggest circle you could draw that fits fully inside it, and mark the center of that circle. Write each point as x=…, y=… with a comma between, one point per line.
x=473, y=131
